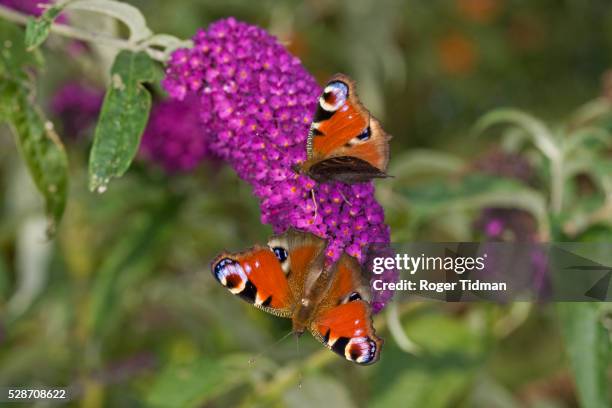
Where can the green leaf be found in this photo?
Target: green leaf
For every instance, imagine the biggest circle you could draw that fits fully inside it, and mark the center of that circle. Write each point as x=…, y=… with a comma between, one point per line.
x=122, y=120
x=418, y=162
x=195, y=383
x=475, y=192
x=541, y=135
x=8, y=93
x=598, y=168
x=453, y=352
x=37, y=30
x=44, y=154
x=38, y=143
x=587, y=137
x=588, y=347
x=13, y=55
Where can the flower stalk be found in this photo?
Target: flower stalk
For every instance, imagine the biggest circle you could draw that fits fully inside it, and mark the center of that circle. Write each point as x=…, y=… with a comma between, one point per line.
x=65, y=30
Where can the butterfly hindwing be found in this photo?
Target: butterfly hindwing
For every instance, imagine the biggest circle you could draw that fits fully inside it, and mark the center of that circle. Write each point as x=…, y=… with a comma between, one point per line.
x=343, y=322
x=347, y=169
x=343, y=127
x=304, y=258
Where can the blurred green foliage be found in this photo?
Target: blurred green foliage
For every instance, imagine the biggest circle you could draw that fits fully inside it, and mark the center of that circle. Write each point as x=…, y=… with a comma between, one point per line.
x=121, y=307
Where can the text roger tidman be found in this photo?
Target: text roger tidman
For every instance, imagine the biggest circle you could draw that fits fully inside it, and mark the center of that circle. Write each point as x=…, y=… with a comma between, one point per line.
x=414, y=263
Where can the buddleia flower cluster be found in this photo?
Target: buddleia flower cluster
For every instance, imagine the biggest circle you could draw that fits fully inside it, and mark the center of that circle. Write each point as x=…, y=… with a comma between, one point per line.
x=255, y=103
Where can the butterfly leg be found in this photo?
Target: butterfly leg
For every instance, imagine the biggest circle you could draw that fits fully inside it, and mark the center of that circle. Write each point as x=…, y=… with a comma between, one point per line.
x=345, y=199
x=314, y=202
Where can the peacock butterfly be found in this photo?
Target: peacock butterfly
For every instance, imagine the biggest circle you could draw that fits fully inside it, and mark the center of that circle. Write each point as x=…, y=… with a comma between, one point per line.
x=289, y=278
x=345, y=142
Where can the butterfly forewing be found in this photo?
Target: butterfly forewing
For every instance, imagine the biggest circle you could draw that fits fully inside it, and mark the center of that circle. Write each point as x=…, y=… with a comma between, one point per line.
x=257, y=277
x=343, y=127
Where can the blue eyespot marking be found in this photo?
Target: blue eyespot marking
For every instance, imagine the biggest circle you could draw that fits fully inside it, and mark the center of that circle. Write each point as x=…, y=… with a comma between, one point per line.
x=354, y=296
x=365, y=135
x=281, y=253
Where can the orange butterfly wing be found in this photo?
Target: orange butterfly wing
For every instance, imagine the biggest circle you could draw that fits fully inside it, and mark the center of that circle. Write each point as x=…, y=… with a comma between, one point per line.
x=272, y=277
x=343, y=129
x=305, y=258
x=257, y=277
x=343, y=322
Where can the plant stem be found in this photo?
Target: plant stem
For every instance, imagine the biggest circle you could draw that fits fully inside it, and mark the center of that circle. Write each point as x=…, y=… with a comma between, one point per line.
x=556, y=188
x=83, y=35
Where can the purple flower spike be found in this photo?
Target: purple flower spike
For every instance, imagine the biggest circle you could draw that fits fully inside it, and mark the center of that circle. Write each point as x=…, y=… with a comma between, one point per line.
x=173, y=137
x=256, y=103
x=77, y=106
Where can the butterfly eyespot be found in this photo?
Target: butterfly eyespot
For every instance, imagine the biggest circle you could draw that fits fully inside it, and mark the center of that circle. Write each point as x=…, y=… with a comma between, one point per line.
x=365, y=135
x=222, y=264
x=354, y=296
x=230, y=274
x=329, y=97
x=334, y=96
x=361, y=350
x=281, y=253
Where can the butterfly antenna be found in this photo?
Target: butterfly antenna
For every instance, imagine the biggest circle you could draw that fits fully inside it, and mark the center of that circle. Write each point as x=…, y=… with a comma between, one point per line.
x=253, y=359
x=300, y=376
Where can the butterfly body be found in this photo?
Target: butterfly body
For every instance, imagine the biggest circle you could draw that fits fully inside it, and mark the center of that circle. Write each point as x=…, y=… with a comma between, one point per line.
x=345, y=142
x=289, y=279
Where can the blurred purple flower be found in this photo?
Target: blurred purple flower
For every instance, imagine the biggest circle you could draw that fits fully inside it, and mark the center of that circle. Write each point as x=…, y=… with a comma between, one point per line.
x=507, y=224
x=33, y=7
x=77, y=106
x=26, y=6
x=504, y=164
x=511, y=224
x=256, y=105
x=174, y=136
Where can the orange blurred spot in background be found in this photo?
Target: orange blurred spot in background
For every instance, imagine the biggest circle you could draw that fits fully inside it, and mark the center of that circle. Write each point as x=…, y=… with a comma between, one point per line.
x=480, y=11
x=457, y=54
